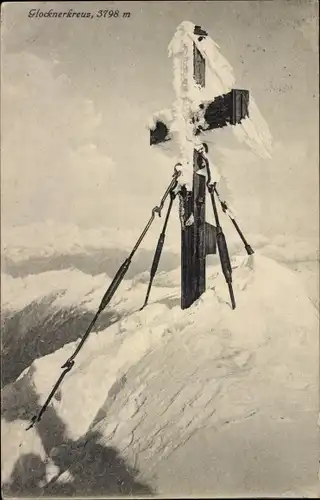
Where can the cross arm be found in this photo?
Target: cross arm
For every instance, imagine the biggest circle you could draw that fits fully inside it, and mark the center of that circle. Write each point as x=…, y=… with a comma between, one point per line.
x=224, y=110
x=227, y=109
x=160, y=133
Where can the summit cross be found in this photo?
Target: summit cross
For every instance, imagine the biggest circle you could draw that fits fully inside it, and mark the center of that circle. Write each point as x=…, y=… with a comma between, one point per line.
x=197, y=109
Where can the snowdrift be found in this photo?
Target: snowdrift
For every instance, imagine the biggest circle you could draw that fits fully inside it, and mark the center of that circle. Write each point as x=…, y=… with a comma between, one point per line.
x=153, y=378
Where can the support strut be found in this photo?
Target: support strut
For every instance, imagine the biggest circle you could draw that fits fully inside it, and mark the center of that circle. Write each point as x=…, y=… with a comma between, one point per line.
x=158, y=251
x=68, y=365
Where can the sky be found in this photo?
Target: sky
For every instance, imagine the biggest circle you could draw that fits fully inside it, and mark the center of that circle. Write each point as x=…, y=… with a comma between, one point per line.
x=77, y=95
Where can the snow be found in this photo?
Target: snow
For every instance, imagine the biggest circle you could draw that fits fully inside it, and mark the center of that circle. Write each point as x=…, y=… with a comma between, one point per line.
x=188, y=94
x=155, y=380
x=164, y=115
x=220, y=79
x=199, y=387
x=219, y=75
x=11, y=438
x=67, y=287
x=184, y=370
x=254, y=131
x=92, y=366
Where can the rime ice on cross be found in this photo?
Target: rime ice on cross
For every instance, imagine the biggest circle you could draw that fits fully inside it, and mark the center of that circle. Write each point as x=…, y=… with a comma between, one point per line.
x=198, y=107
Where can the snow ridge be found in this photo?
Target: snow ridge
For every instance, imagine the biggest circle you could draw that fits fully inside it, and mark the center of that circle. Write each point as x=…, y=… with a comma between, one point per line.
x=217, y=369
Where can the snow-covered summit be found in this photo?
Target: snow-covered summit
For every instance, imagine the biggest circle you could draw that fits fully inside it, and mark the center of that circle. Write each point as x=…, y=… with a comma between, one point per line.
x=153, y=379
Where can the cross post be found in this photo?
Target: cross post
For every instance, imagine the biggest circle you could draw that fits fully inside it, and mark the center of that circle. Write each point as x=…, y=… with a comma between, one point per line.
x=191, y=118
x=193, y=247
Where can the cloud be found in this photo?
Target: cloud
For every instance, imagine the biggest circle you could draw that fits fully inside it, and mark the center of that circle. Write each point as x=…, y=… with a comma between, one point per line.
x=51, y=167
x=291, y=251
x=56, y=151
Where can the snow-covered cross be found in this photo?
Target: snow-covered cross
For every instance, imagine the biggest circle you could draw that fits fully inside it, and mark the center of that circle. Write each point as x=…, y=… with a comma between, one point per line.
x=205, y=100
